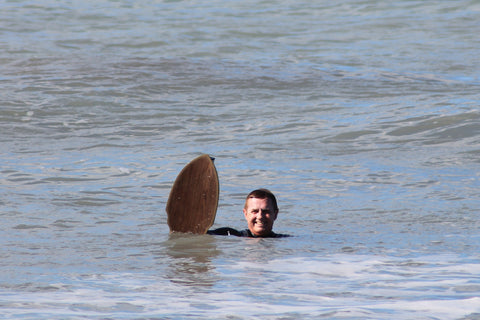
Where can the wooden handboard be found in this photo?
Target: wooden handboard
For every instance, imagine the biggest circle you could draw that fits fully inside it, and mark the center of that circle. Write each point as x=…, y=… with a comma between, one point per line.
x=192, y=204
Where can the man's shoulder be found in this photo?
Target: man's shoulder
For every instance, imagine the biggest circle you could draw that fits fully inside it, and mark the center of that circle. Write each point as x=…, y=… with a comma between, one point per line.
x=226, y=231
x=248, y=233
x=280, y=235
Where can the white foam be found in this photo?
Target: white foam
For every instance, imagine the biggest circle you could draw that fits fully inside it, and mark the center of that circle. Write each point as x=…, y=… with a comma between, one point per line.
x=350, y=286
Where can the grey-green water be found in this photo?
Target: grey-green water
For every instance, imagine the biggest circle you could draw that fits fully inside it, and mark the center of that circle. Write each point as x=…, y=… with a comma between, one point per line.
x=362, y=116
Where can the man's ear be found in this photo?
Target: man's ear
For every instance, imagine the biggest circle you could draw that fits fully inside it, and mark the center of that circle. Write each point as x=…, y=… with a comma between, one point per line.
x=245, y=213
x=276, y=215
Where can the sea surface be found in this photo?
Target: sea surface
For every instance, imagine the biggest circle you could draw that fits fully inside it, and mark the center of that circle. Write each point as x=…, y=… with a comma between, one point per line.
x=363, y=117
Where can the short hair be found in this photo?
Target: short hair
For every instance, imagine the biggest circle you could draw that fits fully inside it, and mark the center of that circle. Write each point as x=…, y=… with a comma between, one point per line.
x=262, y=194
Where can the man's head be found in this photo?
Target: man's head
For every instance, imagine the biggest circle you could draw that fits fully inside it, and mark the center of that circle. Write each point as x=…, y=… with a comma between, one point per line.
x=260, y=211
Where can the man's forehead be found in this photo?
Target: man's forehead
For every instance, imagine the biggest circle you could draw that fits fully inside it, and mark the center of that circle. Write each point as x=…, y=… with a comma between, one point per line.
x=259, y=201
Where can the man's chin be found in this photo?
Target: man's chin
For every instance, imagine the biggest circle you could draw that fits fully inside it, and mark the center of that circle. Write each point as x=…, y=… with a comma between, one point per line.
x=260, y=232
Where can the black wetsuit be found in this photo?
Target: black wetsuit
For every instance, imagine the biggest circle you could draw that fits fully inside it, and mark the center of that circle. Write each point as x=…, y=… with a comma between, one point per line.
x=226, y=231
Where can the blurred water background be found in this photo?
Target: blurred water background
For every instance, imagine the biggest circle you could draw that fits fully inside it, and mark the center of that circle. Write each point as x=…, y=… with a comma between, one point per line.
x=361, y=116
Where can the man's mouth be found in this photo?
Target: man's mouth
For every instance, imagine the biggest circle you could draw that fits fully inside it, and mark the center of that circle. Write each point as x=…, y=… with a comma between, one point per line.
x=260, y=224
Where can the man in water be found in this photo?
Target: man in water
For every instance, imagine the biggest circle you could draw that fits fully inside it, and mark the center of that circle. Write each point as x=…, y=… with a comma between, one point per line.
x=260, y=211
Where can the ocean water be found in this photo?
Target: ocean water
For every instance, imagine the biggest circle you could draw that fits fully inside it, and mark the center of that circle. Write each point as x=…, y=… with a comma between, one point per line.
x=363, y=118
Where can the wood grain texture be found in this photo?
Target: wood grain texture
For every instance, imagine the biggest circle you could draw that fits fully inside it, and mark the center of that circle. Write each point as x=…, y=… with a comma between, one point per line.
x=192, y=204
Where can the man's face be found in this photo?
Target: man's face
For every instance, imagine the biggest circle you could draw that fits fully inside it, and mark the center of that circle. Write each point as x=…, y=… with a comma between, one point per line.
x=260, y=216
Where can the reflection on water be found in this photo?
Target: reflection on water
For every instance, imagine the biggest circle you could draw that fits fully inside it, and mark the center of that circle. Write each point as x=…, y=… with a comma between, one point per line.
x=190, y=259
